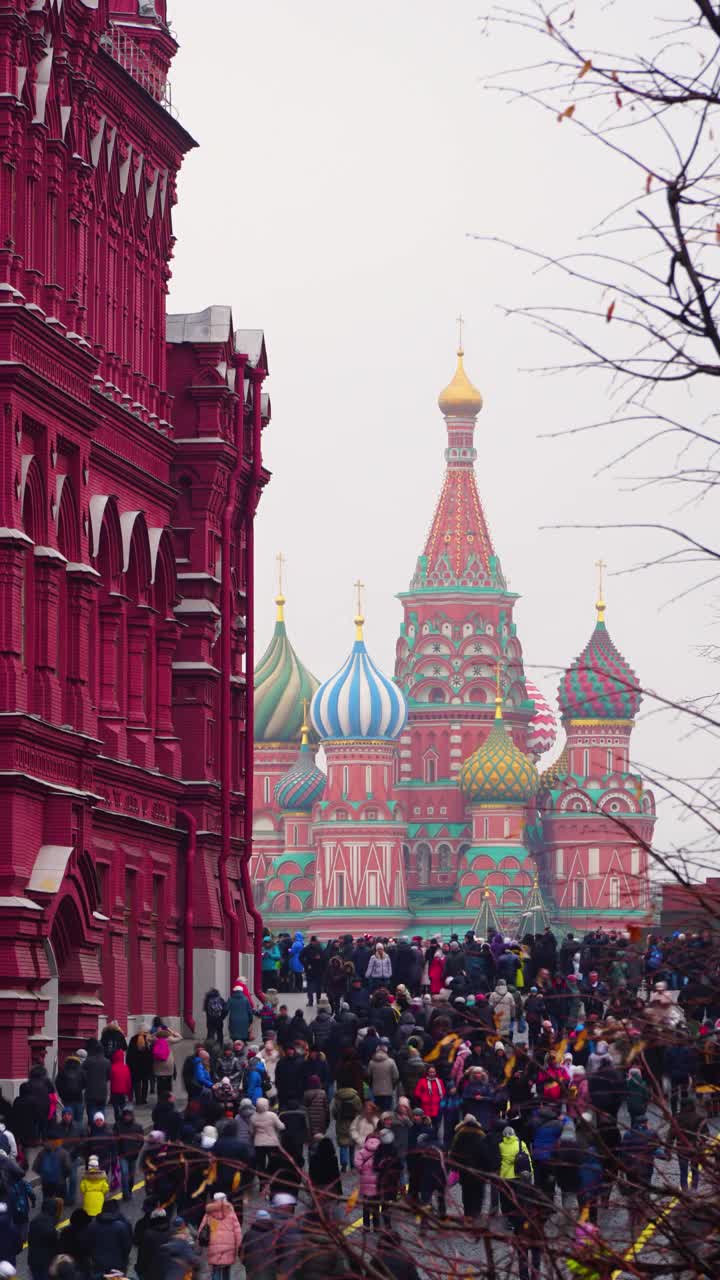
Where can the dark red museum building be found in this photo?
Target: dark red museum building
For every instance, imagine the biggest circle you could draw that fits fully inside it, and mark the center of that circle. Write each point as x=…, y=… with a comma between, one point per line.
x=131, y=469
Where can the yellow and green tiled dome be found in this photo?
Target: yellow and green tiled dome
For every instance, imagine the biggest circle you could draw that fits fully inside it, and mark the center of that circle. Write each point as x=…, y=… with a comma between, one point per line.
x=282, y=686
x=498, y=771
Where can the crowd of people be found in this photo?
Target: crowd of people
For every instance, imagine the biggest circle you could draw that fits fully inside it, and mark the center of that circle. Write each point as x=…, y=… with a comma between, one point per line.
x=546, y=1079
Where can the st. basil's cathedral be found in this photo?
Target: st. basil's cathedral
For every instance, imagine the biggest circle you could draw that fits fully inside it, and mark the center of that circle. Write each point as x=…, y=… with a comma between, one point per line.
x=432, y=814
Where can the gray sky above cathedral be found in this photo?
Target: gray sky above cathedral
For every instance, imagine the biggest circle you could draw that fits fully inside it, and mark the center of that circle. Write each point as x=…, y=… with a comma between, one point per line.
x=346, y=151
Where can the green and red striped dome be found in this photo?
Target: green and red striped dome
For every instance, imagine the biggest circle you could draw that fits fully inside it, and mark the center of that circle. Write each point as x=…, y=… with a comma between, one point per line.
x=600, y=684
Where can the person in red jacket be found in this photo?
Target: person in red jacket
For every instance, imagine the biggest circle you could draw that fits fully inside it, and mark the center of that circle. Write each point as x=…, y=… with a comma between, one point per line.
x=120, y=1083
x=430, y=1094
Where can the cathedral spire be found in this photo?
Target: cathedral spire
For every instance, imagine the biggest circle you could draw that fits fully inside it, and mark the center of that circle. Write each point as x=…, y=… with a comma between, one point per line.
x=459, y=550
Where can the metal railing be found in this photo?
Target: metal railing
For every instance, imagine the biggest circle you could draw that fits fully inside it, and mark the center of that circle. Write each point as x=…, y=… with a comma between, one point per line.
x=133, y=59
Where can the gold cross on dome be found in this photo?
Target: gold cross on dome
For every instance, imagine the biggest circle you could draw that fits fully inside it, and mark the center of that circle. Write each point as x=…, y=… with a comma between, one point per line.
x=460, y=324
x=359, y=588
x=600, y=565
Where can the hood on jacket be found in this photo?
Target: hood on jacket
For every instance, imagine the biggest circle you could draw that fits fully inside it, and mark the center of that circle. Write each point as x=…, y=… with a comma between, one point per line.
x=380, y=1054
x=118, y=1057
x=299, y=937
x=262, y=1105
x=219, y=1208
x=372, y=1142
x=501, y=987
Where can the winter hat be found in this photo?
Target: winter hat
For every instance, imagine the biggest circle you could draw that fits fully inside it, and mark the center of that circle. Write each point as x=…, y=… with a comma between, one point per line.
x=252, y=1051
x=499, y=1046
x=509, y=1132
x=156, y=1135
x=247, y=1104
x=469, y=1118
x=99, y=1117
x=386, y=1136
x=81, y=1054
x=93, y=1163
x=225, y=1080
x=66, y=1111
x=262, y=1215
x=283, y=1200
x=601, y=1048
x=219, y=1195
x=208, y=1137
x=636, y=1073
x=238, y=1044
x=314, y=1082
x=158, y=1213
x=7, y=1270
x=416, y=1002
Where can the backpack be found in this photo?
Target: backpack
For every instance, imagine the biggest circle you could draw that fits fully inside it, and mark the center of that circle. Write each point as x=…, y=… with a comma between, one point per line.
x=20, y=1201
x=654, y=959
x=347, y=1110
x=216, y=1007
x=522, y=1161
x=161, y=1049
x=50, y=1168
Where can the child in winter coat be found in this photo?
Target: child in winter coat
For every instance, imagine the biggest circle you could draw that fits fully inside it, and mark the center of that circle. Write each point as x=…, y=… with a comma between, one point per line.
x=368, y=1181
x=222, y=1228
x=94, y=1187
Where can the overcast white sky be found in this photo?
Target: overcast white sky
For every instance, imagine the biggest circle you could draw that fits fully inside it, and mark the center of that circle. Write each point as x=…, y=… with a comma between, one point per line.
x=346, y=151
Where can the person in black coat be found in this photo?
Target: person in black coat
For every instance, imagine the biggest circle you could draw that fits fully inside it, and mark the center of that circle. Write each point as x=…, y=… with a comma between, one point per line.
x=97, y=1075
x=152, y=1231
x=289, y=1077
x=75, y=1243
x=235, y=1164
x=167, y=1118
x=130, y=1139
x=43, y=1239
x=11, y=1240
x=24, y=1118
x=258, y=1247
x=112, y=1039
x=110, y=1236
x=607, y=1089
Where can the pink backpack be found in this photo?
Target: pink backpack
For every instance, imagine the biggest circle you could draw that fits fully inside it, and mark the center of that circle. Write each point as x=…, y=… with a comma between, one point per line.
x=161, y=1049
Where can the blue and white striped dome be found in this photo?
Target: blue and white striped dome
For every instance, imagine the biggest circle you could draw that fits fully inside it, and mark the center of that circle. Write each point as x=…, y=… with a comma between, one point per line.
x=359, y=701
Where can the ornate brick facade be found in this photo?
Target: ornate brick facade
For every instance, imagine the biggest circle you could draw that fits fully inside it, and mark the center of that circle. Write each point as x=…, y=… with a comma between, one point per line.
x=130, y=474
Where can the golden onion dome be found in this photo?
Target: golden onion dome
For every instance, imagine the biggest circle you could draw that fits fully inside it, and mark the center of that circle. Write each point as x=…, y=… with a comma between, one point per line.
x=460, y=399
x=498, y=772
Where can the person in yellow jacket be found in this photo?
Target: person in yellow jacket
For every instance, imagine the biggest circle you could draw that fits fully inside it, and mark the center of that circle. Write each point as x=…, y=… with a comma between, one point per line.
x=510, y=1148
x=94, y=1187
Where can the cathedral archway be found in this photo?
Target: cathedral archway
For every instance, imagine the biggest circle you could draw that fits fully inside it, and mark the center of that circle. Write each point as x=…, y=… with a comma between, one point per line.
x=423, y=862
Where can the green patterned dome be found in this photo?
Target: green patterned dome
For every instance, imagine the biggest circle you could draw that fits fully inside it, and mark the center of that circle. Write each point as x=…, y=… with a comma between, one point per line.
x=498, y=771
x=282, y=685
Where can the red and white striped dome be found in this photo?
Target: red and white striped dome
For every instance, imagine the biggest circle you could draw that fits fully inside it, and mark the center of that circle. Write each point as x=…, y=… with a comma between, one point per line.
x=543, y=727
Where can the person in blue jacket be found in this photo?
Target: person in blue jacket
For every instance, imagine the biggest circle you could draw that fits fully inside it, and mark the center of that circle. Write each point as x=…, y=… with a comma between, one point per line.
x=253, y=1081
x=296, y=965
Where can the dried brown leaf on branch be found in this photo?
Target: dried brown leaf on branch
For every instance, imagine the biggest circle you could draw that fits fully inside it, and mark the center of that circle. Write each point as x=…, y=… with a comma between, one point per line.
x=567, y=113
x=610, y=311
